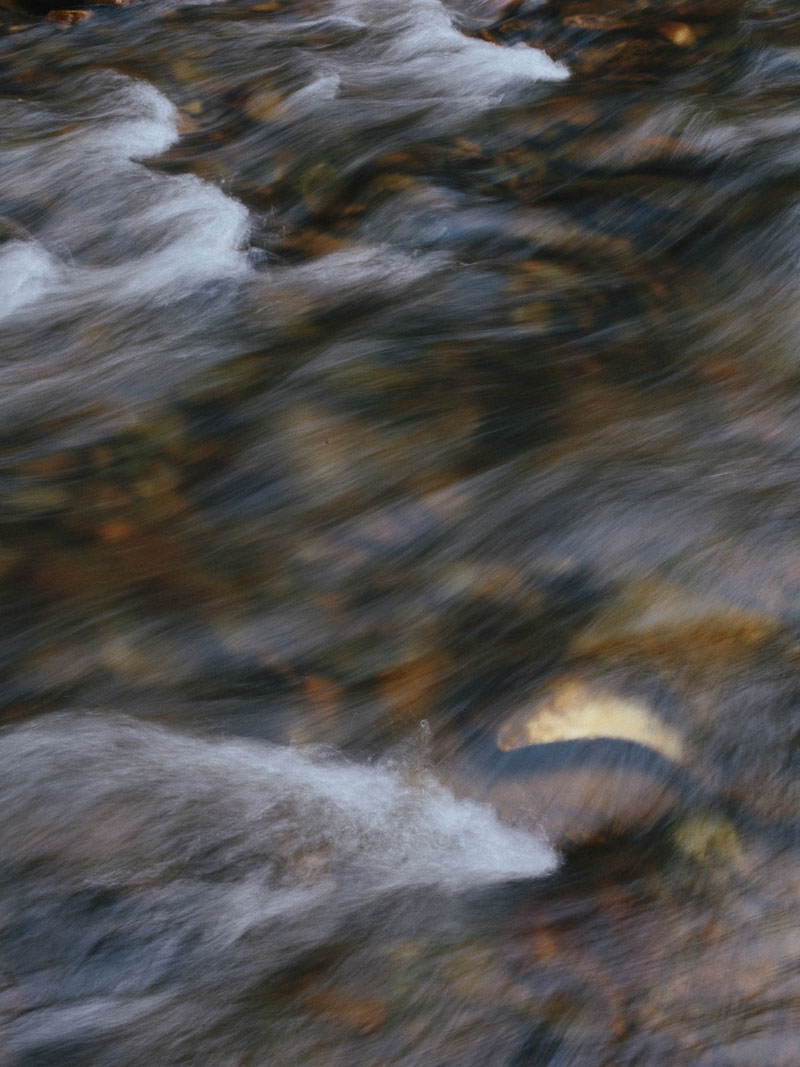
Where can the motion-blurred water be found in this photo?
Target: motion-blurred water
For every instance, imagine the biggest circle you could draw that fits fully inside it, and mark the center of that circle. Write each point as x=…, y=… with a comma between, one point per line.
x=369, y=365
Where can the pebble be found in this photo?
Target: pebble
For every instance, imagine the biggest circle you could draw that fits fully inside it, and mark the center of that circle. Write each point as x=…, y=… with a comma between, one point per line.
x=679, y=33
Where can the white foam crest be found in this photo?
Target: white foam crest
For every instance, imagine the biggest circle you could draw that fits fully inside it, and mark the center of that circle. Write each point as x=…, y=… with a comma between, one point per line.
x=513, y=61
x=206, y=231
x=431, y=35
x=156, y=236
x=410, y=55
x=436, y=59
x=27, y=271
x=325, y=87
x=147, y=125
x=414, y=831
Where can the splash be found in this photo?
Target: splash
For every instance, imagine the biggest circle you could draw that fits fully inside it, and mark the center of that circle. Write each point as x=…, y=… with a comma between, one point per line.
x=116, y=799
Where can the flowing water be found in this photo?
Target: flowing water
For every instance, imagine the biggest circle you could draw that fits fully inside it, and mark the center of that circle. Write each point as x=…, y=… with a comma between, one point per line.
x=399, y=538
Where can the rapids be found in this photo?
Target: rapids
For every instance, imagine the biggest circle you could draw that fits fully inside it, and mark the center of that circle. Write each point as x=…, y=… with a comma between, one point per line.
x=399, y=574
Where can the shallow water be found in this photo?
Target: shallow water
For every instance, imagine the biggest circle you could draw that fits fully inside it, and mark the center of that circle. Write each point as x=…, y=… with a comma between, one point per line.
x=390, y=393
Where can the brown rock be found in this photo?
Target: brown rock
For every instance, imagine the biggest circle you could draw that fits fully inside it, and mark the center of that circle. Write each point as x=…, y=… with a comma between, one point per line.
x=117, y=530
x=412, y=688
x=666, y=622
x=601, y=23
x=362, y=1013
x=67, y=18
x=264, y=104
x=679, y=33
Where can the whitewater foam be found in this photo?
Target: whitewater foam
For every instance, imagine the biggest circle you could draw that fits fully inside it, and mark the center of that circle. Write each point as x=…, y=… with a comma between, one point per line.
x=414, y=53
x=119, y=799
x=27, y=271
x=123, y=232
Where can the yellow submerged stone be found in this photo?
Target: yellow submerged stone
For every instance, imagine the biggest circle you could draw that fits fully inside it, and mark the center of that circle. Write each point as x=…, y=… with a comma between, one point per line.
x=575, y=710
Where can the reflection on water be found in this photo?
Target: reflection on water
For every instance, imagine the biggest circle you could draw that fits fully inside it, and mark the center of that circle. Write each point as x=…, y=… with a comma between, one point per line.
x=376, y=364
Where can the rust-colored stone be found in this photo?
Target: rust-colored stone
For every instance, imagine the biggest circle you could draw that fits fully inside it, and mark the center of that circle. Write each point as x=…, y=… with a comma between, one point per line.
x=363, y=1013
x=66, y=18
x=679, y=33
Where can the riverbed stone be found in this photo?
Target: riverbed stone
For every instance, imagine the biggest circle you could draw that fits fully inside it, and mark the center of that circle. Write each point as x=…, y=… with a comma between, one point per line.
x=578, y=806
x=71, y=17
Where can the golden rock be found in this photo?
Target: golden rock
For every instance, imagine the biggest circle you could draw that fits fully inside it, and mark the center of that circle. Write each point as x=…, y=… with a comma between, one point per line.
x=571, y=709
x=679, y=33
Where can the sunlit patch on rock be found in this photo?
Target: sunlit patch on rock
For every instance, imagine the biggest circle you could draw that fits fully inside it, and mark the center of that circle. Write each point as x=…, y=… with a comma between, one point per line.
x=571, y=709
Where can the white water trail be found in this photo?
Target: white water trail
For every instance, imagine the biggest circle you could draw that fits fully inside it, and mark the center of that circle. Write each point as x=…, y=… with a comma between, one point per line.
x=431, y=48
x=121, y=234
x=27, y=272
x=413, y=54
x=119, y=799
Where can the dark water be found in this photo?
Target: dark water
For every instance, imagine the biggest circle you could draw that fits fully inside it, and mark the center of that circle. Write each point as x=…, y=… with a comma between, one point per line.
x=399, y=534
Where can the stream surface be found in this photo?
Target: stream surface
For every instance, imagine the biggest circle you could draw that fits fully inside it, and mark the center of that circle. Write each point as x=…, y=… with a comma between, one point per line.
x=390, y=393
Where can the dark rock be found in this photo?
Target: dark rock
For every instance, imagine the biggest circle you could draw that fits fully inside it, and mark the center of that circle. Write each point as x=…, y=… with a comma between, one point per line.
x=12, y=231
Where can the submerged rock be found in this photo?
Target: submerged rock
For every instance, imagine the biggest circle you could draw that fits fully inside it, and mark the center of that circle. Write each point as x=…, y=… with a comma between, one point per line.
x=595, y=797
x=68, y=16
x=711, y=841
x=584, y=762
